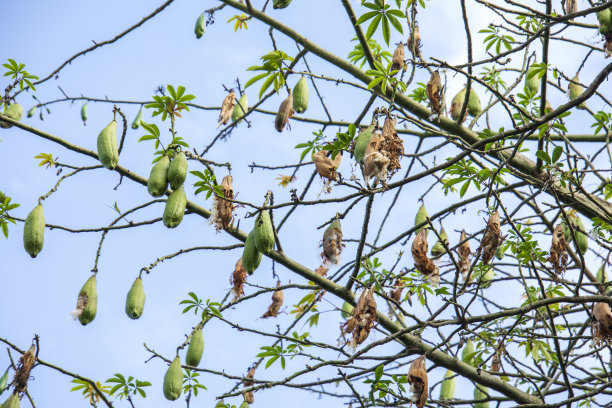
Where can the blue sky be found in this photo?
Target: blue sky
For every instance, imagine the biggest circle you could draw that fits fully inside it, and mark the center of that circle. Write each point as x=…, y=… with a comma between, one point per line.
x=37, y=295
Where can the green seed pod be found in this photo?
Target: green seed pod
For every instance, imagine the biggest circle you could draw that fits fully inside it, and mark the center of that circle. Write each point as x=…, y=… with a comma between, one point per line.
x=196, y=348
x=499, y=252
x=468, y=351
x=485, y=280
x=87, y=302
x=244, y=404
x=34, y=231
x=474, y=107
x=11, y=402
x=575, y=90
x=31, y=111
x=200, y=25
x=241, y=108
x=3, y=382
x=251, y=257
x=280, y=4
x=177, y=172
x=361, y=143
x=158, y=178
x=300, y=96
x=264, y=233
x=532, y=81
x=15, y=112
x=602, y=275
x=481, y=392
x=582, y=241
x=175, y=208
x=457, y=104
x=447, y=391
x=347, y=309
x=220, y=404
x=137, y=119
x=107, y=146
x=173, y=380
x=605, y=20
x=421, y=217
x=438, y=248
x=84, y=114
x=135, y=301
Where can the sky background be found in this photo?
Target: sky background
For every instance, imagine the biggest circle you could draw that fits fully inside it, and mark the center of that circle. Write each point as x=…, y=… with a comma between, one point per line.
x=37, y=295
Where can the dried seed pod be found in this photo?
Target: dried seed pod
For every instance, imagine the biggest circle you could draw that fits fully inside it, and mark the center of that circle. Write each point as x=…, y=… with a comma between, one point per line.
x=87, y=302
x=322, y=271
x=135, y=300
x=278, y=297
x=447, y=390
x=173, y=380
x=496, y=362
x=200, y=25
x=414, y=41
x=195, y=349
x=570, y=6
x=332, y=242
x=398, y=61
x=417, y=378
x=223, y=210
x=438, y=248
x=248, y=382
x=285, y=112
x=362, y=318
x=603, y=323
x=421, y=261
x=491, y=239
x=396, y=293
x=392, y=145
x=15, y=112
x=558, y=251
x=464, y=256
x=434, y=92
x=375, y=166
x=575, y=90
x=237, y=280
x=22, y=374
x=326, y=167
x=227, y=108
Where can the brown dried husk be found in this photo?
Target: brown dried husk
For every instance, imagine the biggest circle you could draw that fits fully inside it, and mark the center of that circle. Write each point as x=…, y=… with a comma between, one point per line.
x=434, y=92
x=393, y=146
x=399, y=57
x=26, y=362
x=496, y=361
x=464, y=252
x=602, y=327
x=558, y=251
x=237, y=280
x=247, y=382
x=278, y=297
x=227, y=107
x=332, y=245
x=414, y=42
x=362, y=319
x=491, y=238
x=608, y=44
x=326, y=167
x=570, y=6
x=285, y=111
x=376, y=162
x=223, y=210
x=417, y=378
x=322, y=270
x=419, y=253
x=396, y=294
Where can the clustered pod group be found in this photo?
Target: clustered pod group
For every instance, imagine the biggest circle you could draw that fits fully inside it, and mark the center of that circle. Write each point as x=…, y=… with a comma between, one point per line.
x=173, y=172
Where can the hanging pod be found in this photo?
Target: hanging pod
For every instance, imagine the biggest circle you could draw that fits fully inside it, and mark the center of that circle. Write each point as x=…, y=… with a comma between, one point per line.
x=361, y=143
x=135, y=301
x=34, y=231
x=15, y=112
x=300, y=96
x=532, y=80
x=195, y=349
x=173, y=380
x=200, y=25
x=251, y=257
x=158, y=178
x=175, y=208
x=264, y=233
x=84, y=114
x=87, y=302
x=136, y=123
x=241, y=108
x=177, y=171
x=107, y=146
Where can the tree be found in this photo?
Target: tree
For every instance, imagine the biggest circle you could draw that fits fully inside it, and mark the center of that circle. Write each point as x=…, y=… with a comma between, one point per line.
x=461, y=211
